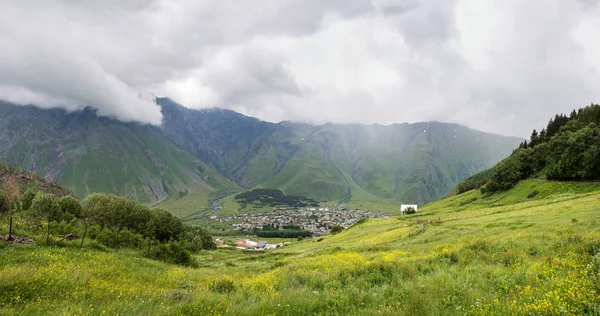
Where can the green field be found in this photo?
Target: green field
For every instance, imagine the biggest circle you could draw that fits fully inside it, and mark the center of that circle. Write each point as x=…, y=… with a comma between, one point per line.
x=510, y=253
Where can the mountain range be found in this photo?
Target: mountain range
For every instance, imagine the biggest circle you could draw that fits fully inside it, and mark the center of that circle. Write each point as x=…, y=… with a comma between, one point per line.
x=217, y=152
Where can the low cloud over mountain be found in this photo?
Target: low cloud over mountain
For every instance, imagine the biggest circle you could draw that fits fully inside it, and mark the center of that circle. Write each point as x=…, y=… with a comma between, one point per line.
x=496, y=66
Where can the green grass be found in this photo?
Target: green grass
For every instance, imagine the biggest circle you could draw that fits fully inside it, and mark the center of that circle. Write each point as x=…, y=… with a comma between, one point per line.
x=467, y=254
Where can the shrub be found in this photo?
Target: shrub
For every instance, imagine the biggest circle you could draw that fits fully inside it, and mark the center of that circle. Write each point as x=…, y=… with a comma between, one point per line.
x=118, y=213
x=173, y=252
x=222, y=285
x=107, y=237
x=45, y=206
x=69, y=206
x=410, y=210
x=97, y=246
x=27, y=199
x=198, y=238
x=165, y=226
x=4, y=206
x=533, y=194
x=336, y=229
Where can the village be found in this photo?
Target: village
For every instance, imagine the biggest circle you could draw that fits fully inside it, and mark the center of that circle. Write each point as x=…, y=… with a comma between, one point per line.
x=318, y=221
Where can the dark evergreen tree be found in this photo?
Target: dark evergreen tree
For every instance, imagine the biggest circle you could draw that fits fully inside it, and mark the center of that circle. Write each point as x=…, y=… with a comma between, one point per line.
x=534, y=139
x=543, y=135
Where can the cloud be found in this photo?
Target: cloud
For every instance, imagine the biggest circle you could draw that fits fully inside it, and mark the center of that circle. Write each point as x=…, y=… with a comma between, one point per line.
x=504, y=67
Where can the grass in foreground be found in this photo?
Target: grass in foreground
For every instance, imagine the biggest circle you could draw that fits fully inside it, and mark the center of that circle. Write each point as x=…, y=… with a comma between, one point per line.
x=504, y=254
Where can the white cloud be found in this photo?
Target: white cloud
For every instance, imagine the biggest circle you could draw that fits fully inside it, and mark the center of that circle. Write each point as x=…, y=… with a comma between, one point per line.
x=504, y=67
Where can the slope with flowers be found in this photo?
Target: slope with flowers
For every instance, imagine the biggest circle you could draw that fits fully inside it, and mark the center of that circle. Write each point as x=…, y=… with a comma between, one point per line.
x=513, y=252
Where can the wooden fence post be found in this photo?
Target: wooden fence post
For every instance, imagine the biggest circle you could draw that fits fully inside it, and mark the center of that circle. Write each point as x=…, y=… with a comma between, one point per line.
x=117, y=241
x=10, y=230
x=83, y=237
x=48, y=233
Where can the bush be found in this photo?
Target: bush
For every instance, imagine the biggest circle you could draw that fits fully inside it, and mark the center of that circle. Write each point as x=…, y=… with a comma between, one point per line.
x=165, y=226
x=336, y=229
x=222, y=285
x=118, y=213
x=410, y=210
x=107, y=237
x=122, y=239
x=198, y=238
x=45, y=206
x=4, y=206
x=27, y=199
x=532, y=194
x=173, y=252
x=97, y=246
x=69, y=206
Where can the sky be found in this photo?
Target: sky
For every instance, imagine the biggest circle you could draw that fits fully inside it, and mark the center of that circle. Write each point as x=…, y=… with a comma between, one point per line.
x=499, y=66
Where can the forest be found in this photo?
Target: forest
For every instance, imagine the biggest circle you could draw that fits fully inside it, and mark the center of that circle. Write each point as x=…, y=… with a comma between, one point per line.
x=273, y=197
x=567, y=149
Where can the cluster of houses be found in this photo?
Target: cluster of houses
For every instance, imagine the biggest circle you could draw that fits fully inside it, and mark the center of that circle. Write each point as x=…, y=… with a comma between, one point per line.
x=317, y=220
x=253, y=245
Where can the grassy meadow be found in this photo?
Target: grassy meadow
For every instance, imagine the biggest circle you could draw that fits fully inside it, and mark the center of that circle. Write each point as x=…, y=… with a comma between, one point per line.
x=532, y=250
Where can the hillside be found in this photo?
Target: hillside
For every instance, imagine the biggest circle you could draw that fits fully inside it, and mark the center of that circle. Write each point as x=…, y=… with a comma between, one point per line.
x=335, y=162
x=88, y=154
x=22, y=180
x=567, y=149
x=468, y=254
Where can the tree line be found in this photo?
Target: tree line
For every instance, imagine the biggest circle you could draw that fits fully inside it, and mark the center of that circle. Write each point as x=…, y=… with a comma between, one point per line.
x=273, y=197
x=110, y=221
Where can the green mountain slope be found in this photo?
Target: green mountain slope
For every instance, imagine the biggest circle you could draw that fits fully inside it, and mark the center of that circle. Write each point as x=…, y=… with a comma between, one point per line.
x=89, y=154
x=335, y=162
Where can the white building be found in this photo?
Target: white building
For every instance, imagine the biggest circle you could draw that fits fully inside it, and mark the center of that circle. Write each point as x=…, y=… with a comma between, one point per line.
x=403, y=207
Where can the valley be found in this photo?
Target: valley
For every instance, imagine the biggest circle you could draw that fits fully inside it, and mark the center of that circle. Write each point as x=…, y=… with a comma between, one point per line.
x=514, y=239
x=292, y=158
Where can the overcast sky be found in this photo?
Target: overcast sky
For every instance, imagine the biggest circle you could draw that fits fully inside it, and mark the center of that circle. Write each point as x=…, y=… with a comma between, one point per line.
x=498, y=66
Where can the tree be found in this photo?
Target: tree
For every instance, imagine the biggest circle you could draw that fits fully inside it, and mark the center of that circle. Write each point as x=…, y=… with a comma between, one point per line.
x=542, y=136
x=165, y=226
x=69, y=207
x=27, y=198
x=97, y=207
x=138, y=220
x=12, y=191
x=4, y=206
x=574, y=154
x=336, y=229
x=198, y=238
x=506, y=174
x=534, y=139
x=44, y=205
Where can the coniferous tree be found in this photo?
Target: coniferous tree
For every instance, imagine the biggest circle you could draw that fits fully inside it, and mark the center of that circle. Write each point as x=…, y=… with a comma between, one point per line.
x=534, y=139
x=542, y=136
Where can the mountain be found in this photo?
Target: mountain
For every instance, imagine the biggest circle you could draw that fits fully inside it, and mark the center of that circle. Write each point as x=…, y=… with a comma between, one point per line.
x=335, y=162
x=210, y=152
x=86, y=153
